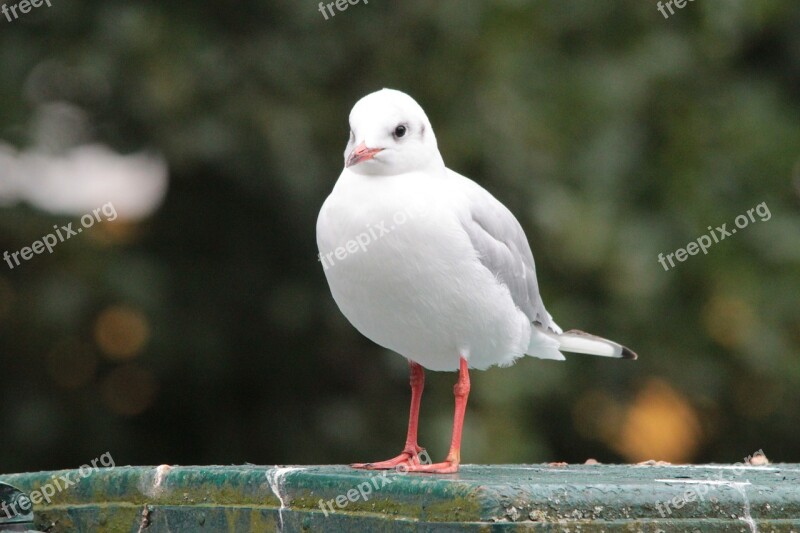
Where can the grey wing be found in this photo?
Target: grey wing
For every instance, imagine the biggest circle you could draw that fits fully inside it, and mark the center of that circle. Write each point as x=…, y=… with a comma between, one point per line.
x=503, y=249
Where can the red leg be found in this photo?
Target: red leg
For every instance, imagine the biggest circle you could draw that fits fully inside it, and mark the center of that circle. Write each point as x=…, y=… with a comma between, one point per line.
x=450, y=465
x=410, y=453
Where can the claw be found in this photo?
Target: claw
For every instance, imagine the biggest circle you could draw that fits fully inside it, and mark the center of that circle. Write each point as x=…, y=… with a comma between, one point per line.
x=408, y=457
x=446, y=467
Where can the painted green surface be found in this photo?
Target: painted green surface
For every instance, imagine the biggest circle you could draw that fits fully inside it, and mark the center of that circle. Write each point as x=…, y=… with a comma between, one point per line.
x=479, y=498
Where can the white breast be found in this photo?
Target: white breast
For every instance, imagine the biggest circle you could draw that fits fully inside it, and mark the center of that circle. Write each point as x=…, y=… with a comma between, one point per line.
x=404, y=273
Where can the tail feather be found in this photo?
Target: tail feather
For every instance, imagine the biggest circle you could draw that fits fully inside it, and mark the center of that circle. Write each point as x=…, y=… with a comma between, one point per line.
x=577, y=341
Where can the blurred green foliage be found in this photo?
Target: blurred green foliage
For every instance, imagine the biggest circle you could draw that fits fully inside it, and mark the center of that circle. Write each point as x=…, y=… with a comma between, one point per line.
x=206, y=333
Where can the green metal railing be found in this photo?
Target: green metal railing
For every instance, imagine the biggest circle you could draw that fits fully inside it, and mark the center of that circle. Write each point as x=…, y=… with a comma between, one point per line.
x=479, y=498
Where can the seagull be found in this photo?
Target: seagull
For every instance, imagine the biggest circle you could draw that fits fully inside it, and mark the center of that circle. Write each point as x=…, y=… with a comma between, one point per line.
x=426, y=263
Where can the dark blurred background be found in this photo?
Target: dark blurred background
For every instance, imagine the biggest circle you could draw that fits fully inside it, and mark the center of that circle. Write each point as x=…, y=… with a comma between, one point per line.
x=197, y=327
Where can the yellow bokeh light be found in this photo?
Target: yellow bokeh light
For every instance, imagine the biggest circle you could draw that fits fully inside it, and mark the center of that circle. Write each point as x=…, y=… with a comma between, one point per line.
x=121, y=332
x=660, y=424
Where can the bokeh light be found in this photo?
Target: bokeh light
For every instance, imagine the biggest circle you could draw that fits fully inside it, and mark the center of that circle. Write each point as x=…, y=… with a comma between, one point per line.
x=121, y=332
x=660, y=424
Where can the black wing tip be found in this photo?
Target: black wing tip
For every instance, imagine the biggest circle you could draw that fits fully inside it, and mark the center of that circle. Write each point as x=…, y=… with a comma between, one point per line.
x=626, y=352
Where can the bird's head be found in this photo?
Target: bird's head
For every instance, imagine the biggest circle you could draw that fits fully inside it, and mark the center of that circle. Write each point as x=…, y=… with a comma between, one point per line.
x=390, y=134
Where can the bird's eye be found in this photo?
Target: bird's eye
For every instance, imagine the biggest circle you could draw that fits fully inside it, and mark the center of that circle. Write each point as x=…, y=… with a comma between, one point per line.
x=400, y=131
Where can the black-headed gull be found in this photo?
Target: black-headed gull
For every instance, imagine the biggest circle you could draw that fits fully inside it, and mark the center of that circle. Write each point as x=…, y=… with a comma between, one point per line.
x=427, y=263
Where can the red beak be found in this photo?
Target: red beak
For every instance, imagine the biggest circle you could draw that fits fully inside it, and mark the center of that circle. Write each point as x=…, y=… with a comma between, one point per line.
x=361, y=153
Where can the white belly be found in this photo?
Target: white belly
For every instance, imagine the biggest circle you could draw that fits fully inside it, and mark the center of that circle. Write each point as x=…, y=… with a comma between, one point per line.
x=404, y=273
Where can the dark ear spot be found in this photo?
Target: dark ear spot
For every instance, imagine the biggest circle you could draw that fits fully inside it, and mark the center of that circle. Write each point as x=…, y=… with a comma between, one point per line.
x=422, y=130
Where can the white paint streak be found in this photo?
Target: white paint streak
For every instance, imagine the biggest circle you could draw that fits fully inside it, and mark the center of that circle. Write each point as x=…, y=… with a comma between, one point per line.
x=747, y=518
x=738, y=467
x=276, y=478
x=161, y=473
x=738, y=486
x=151, y=484
x=704, y=482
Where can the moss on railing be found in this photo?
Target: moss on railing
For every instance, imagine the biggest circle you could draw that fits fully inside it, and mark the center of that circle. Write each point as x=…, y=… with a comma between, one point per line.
x=479, y=498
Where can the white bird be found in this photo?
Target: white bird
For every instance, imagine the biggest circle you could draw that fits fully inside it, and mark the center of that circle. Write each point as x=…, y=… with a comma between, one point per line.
x=427, y=263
